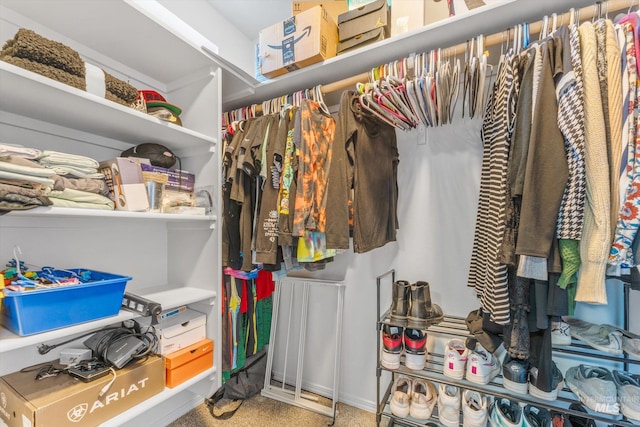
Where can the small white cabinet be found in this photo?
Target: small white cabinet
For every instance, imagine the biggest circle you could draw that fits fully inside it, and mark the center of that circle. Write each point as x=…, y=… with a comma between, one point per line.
x=173, y=259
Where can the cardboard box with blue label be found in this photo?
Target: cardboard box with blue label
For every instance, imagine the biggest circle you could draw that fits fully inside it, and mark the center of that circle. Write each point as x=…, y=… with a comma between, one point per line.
x=304, y=39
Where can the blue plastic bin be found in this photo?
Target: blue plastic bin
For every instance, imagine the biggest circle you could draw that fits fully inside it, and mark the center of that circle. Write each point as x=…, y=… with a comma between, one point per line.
x=41, y=310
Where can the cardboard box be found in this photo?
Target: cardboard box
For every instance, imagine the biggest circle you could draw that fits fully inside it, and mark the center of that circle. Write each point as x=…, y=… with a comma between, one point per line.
x=365, y=18
x=436, y=10
x=406, y=15
x=304, y=39
x=177, y=180
x=178, y=331
x=361, y=40
x=333, y=8
x=124, y=179
x=66, y=401
x=188, y=362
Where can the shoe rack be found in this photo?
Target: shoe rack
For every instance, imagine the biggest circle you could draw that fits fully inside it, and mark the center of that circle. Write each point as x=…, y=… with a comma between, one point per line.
x=455, y=327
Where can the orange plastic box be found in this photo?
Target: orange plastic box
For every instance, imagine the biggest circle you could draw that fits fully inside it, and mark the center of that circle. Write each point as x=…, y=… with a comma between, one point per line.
x=188, y=362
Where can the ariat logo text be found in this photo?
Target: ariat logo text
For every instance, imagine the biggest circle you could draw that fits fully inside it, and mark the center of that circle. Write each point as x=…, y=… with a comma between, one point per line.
x=77, y=413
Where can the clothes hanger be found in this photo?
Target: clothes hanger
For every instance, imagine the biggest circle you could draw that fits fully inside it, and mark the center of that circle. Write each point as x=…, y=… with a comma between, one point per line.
x=367, y=103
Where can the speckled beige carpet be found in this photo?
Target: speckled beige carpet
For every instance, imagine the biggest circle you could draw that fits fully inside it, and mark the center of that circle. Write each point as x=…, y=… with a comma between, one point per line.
x=260, y=411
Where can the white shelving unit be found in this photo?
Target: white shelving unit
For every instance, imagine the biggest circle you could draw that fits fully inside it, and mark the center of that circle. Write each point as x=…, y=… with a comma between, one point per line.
x=174, y=259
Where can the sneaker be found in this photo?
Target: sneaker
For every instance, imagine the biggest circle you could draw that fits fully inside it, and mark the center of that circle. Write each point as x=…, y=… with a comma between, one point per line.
x=537, y=390
x=515, y=375
x=605, y=338
x=455, y=359
x=401, y=396
x=532, y=416
x=449, y=405
x=474, y=409
x=415, y=349
x=577, y=421
x=423, y=399
x=560, y=333
x=594, y=387
x=391, y=346
x=505, y=413
x=628, y=388
x=482, y=366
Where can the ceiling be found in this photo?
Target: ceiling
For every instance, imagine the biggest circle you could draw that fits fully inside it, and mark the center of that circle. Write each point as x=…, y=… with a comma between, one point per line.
x=251, y=16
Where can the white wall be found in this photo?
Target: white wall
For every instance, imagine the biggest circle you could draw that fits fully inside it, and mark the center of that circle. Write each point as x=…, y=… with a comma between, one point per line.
x=233, y=45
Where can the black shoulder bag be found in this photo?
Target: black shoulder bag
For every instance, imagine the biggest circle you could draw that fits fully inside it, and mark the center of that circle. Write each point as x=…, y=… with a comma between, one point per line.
x=241, y=385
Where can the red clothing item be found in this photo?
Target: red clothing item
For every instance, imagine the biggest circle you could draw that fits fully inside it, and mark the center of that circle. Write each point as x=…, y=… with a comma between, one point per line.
x=243, y=298
x=264, y=285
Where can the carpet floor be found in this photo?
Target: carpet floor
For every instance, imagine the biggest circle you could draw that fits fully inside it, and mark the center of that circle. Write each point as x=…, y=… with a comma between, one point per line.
x=260, y=411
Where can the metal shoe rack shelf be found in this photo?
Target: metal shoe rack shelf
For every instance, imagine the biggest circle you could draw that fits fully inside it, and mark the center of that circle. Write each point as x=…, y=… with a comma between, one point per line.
x=453, y=326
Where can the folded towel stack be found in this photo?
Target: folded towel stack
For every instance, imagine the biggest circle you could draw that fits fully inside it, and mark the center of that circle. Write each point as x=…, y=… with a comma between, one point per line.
x=70, y=164
x=23, y=183
x=59, y=62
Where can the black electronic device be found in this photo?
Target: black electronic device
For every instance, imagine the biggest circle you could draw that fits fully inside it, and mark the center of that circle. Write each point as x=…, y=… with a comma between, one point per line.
x=89, y=370
x=142, y=306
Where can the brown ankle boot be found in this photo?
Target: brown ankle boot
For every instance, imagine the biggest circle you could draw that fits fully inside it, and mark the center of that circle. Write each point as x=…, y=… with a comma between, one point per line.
x=422, y=313
x=400, y=303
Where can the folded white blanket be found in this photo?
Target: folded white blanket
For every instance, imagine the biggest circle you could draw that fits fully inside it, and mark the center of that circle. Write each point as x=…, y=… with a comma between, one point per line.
x=21, y=167
x=50, y=158
x=76, y=198
x=27, y=153
x=30, y=178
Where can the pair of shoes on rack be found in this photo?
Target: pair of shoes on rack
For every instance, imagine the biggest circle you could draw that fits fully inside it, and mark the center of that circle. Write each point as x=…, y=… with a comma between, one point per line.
x=478, y=365
x=605, y=391
x=414, y=397
x=606, y=338
x=520, y=377
x=474, y=407
x=411, y=303
x=411, y=342
x=508, y=413
x=560, y=419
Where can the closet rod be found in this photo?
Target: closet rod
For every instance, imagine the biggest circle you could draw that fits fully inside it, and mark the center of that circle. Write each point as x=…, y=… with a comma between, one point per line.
x=585, y=13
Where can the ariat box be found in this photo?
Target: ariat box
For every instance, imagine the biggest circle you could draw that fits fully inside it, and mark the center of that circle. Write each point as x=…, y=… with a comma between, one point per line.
x=304, y=39
x=365, y=18
x=188, y=362
x=124, y=179
x=178, y=328
x=67, y=401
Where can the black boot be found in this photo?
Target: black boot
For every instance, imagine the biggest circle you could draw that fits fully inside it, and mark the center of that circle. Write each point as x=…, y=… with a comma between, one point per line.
x=400, y=303
x=422, y=313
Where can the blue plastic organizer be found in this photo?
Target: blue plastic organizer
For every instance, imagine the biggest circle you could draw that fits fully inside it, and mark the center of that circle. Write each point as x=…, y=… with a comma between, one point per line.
x=41, y=310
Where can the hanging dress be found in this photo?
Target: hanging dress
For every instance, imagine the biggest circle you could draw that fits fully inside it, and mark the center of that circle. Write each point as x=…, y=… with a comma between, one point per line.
x=486, y=274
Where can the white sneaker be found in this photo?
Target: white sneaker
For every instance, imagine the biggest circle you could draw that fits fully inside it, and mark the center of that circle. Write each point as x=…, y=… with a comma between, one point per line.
x=455, y=359
x=474, y=409
x=401, y=397
x=415, y=349
x=449, y=405
x=560, y=333
x=423, y=399
x=482, y=366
